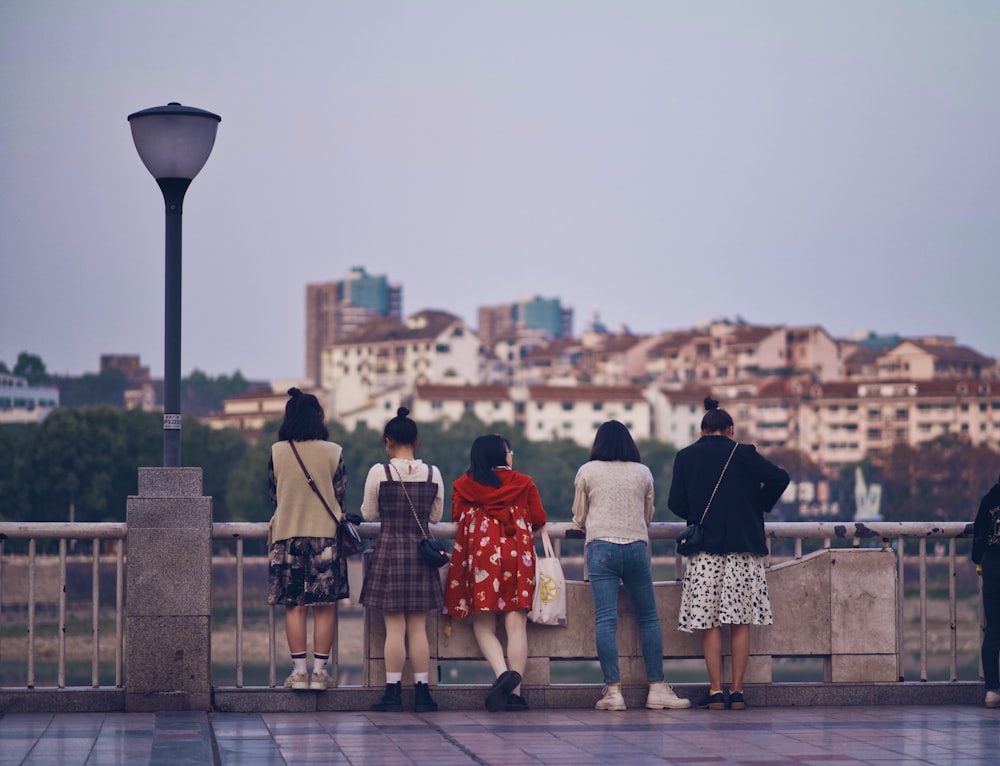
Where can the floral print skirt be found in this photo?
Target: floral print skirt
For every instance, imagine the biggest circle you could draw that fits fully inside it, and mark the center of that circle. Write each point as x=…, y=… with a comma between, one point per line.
x=724, y=589
x=306, y=571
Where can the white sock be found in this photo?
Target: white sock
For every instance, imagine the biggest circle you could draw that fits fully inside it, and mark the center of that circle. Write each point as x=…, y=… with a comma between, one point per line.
x=393, y=678
x=299, y=664
x=421, y=678
x=319, y=662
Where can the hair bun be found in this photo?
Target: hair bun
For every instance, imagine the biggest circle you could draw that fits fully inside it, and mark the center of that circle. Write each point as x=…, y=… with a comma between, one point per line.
x=711, y=404
x=294, y=392
x=402, y=412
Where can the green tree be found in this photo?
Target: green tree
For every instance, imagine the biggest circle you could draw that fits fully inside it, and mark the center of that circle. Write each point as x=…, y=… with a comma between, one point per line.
x=93, y=389
x=940, y=480
x=202, y=394
x=32, y=367
x=78, y=460
x=217, y=452
x=16, y=444
x=247, y=497
x=659, y=458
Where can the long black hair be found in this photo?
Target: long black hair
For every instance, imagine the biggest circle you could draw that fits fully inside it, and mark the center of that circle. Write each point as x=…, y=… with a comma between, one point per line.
x=715, y=419
x=304, y=418
x=401, y=429
x=487, y=453
x=614, y=442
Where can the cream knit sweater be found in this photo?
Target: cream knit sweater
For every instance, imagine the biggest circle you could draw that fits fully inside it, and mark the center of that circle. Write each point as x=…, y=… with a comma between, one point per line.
x=613, y=500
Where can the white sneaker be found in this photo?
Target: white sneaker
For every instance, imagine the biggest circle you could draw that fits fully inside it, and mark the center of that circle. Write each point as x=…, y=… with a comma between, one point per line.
x=612, y=699
x=321, y=681
x=297, y=681
x=662, y=696
x=992, y=699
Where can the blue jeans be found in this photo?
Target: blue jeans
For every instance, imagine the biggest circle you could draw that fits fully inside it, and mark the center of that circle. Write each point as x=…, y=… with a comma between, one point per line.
x=609, y=564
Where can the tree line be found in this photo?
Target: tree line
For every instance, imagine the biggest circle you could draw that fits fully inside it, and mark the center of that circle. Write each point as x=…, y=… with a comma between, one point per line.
x=201, y=394
x=87, y=459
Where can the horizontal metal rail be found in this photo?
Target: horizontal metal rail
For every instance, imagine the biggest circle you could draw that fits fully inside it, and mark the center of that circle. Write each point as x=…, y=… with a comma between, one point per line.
x=854, y=533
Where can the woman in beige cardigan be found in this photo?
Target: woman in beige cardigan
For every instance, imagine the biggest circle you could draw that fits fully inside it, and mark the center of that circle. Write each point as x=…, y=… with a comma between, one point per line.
x=305, y=570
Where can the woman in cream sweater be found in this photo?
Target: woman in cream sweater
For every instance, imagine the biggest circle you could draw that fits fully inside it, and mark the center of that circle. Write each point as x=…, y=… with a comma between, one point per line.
x=305, y=570
x=614, y=505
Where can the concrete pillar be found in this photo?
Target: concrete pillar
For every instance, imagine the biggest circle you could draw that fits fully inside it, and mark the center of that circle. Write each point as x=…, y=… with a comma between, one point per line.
x=168, y=607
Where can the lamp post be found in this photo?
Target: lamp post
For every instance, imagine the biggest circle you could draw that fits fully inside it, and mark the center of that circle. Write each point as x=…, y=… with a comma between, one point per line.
x=173, y=142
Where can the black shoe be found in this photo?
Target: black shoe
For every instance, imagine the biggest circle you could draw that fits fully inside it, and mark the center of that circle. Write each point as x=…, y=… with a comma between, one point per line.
x=713, y=701
x=736, y=701
x=423, y=703
x=391, y=701
x=506, y=682
x=516, y=703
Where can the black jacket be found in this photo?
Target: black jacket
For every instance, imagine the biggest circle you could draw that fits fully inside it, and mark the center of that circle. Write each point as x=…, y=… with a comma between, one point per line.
x=750, y=488
x=986, y=529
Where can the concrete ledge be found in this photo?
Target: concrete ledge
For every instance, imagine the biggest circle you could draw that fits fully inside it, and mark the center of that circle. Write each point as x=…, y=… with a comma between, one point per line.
x=565, y=697
x=69, y=700
x=583, y=696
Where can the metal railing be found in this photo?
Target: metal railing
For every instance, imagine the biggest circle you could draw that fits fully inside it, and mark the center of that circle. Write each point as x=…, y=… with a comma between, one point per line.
x=886, y=534
x=66, y=533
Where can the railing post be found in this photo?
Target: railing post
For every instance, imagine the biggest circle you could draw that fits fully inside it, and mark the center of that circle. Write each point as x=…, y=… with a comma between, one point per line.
x=168, y=603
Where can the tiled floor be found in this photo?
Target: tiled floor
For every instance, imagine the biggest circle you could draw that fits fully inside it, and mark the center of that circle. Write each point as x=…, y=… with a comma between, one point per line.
x=949, y=736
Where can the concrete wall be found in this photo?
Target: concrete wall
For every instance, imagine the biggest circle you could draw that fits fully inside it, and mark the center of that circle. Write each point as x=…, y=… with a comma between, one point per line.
x=836, y=604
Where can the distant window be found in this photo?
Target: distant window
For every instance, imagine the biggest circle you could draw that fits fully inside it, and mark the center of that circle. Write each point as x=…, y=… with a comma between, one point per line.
x=442, y=348
x=628, y=407
x=598, y=406
x=567, y=406
x=874, y=434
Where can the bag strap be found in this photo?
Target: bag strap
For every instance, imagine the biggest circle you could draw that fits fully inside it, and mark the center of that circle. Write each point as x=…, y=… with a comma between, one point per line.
x=430, y=471
x=547, y=543
x=702, y=520
x=312, y=483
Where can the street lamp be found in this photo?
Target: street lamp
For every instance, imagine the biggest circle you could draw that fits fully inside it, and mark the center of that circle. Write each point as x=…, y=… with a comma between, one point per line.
x=173, y=142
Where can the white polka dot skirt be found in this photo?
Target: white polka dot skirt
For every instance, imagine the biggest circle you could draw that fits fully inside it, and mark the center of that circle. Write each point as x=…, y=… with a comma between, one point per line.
x=724, y=589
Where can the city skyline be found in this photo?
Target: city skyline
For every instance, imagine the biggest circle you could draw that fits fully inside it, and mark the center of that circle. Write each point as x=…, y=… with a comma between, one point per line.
x=832, y=164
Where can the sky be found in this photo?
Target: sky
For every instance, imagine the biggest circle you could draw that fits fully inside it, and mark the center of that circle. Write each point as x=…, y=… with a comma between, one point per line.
x=661, y=163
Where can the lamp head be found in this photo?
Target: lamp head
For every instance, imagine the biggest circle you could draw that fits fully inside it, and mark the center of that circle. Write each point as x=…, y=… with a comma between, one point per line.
x=174, y=141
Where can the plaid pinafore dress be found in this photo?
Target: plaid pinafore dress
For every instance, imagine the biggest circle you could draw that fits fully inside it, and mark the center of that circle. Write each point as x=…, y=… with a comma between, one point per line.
x=397, y=579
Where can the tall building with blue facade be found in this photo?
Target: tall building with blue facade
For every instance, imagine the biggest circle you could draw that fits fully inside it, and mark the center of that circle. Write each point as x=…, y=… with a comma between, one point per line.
x=335, y=310
x=529, y=313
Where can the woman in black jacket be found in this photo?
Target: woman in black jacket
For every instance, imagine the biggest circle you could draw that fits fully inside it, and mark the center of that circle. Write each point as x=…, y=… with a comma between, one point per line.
x=725, y=583
x=986, y=557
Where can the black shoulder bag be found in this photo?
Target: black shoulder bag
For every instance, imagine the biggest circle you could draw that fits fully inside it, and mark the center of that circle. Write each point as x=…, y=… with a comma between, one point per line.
x=693, y=537
x=348, y=538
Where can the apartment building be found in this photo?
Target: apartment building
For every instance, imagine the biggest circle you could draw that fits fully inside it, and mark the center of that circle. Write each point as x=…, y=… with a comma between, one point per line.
x=506, y=320
x=841, y=422
x=24, y=403
x=448, y=404
x=431, y=347
x=932, y=358
x=336, y=310
x=575, y=412
x=249, y=411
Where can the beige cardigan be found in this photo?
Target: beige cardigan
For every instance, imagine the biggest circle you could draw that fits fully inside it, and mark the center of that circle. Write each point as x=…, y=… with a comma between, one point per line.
x=299, y=512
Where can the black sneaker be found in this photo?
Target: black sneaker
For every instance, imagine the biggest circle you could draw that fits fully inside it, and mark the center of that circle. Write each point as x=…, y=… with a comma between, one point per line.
x=736, y=701
x=506, y=683
x=516, y=703
x=714, y=701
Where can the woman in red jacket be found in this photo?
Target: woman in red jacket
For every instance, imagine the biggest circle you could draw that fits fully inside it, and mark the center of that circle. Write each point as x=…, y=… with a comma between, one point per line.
x=492, y=567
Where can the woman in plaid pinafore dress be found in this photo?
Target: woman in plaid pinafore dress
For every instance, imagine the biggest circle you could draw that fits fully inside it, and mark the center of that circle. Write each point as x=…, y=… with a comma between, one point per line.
x=397, y=579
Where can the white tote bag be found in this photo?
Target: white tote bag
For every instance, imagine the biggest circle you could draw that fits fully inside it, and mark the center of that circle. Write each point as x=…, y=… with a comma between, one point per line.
x=548, y=606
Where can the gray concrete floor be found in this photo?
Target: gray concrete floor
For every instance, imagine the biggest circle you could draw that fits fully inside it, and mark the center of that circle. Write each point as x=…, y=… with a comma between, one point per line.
x=947, y=735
